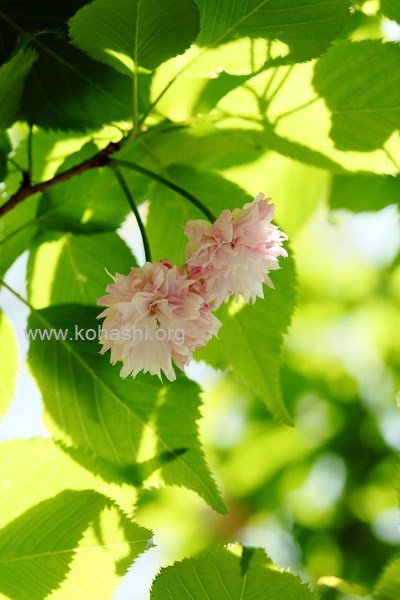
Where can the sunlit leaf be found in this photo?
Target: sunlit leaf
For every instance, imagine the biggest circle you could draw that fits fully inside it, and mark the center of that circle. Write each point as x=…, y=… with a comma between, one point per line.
x=204, y=146
x=109, y=416
x=365, y=103
x=305, y=29
x=125, y=33
x=8, y=363
x=249, y=343
x=296, y=189
x=85, y=204
x=36, y=469
x=17, y=229
x=242, y=39
x=221, y=574
x=281, y=109
x=75, y=543
x=51, y=149
x=92, y=202
x=364, y=192
x=73, y=268
x=198, y=95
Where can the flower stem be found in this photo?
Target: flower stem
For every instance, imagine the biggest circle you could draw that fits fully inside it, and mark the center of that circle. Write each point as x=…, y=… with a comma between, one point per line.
x=29, y=152
x=20, y=298
x=15, y=164
x=182, y=192
x=135, y=211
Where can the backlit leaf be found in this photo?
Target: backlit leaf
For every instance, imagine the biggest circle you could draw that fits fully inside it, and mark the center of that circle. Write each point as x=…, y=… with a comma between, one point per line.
x=73, y=544
x=221, y=574
x=304, y=30
x=8, y=363
x=249, y=343
x=73, y=268
x=108, y=416
x=364, y=192
x=125, y=33
x=365, y=103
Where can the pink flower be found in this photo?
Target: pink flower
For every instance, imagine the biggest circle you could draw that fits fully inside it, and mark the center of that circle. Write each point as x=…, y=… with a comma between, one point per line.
x=155, y=315
x=235, y=254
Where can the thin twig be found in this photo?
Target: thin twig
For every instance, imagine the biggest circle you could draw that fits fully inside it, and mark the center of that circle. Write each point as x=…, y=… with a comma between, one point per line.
x=280, y=84
x=176, y=188
x=29, y=153
x=101, y=159
x=15, y=164
x=391, y=158
x=20, y=298
x=135, y=211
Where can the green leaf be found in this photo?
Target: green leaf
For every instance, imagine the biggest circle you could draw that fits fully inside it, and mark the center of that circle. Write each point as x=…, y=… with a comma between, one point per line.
x=108, y=416
x=364, y=192
x=280, y=110
x=197, y=95
x=305, y=29
x=281, y=179
x=49, y=148
x=388, y=586
x=73, y=268
x=8, y=363
x=391, y=9
x=17, y=229
x=92, y=202
x=249, y=343
x=33, y=471
x=77, y=543
x=5, y=149
x=203, y=146
x=223, y=575
x=38, y=468
x=128, y=34
x=12, y=78
x=365, y=103
x=3, y=165
x=278, y=33
x=65, y=89
x=88, y=203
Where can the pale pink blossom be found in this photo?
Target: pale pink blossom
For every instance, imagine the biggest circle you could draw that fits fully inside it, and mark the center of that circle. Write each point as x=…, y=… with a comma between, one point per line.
x=154, y=315
x=235, y=254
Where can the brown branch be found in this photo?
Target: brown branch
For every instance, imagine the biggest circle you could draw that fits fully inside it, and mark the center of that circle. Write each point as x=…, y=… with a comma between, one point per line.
x=101, y=159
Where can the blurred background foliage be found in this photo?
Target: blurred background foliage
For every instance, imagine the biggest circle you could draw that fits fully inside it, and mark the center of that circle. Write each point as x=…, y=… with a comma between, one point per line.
x=321, y=497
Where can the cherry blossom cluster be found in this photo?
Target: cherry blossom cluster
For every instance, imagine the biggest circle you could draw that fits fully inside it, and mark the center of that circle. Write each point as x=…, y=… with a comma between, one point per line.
x=169, y=309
